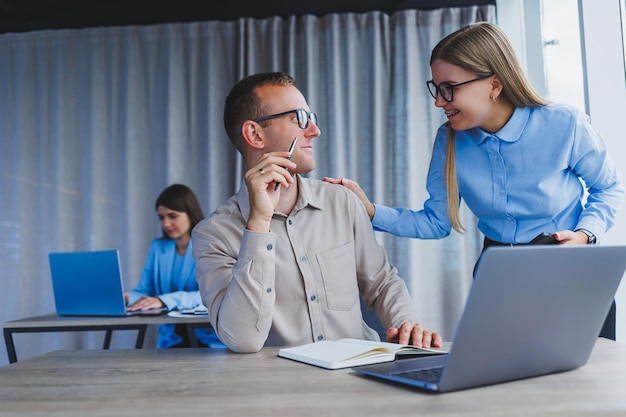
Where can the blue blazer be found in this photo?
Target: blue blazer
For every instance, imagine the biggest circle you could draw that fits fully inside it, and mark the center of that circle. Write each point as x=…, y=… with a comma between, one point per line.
x=176, y=292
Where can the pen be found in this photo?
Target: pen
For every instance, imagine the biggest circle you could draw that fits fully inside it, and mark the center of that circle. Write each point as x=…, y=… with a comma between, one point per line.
x=291, y=149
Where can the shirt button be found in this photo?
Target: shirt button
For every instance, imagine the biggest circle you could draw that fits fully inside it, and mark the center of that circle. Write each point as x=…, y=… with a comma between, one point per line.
x=320, y=337
x=269, y=290
x=302, y=258
x=289, y=221
x=312, y=298
x=270, y=246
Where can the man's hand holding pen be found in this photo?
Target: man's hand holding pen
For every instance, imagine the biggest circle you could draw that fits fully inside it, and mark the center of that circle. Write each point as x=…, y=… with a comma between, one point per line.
x=263, y=181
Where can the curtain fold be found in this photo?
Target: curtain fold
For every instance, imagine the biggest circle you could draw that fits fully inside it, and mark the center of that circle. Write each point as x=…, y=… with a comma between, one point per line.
x=94, y=123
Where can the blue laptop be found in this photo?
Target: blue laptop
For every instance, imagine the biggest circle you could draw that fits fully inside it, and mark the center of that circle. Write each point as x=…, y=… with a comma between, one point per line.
x=532, y=310
x=89, y=284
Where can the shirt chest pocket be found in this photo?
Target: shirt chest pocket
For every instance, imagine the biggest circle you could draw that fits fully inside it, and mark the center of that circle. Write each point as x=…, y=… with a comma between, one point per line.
x=338, y=271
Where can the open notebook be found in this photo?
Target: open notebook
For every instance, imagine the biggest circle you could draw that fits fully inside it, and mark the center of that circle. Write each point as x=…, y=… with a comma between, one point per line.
x=345, y=353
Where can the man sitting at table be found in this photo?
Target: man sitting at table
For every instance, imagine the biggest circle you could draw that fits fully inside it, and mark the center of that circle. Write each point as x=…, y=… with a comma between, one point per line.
x=283, y=261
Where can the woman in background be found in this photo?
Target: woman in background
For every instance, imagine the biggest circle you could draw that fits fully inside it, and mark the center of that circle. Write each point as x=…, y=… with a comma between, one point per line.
x=169, y=274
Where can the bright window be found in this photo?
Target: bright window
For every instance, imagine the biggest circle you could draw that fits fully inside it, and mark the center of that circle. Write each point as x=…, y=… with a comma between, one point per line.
x=562, y=52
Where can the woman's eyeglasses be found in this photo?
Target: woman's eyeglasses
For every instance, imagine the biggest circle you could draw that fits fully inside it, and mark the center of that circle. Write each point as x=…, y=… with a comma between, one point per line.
x=446, y=90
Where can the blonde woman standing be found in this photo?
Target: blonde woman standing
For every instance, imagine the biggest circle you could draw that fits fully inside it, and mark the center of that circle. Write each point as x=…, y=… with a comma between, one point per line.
x=514, y=158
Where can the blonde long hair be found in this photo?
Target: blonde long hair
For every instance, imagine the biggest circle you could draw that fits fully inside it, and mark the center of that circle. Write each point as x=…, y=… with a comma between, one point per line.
x=483, y=49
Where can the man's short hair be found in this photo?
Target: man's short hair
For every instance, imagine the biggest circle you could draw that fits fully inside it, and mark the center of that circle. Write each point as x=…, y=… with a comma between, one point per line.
x=242, y=103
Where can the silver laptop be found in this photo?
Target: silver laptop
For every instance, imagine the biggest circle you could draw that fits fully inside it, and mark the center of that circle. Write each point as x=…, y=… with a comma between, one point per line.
x=89, y=284
x=532, y=310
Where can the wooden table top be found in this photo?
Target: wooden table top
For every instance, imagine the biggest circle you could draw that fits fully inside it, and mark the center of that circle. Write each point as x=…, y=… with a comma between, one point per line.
x=207, y=382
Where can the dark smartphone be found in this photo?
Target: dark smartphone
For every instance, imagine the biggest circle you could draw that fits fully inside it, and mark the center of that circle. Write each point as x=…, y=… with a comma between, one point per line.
x=544, y=239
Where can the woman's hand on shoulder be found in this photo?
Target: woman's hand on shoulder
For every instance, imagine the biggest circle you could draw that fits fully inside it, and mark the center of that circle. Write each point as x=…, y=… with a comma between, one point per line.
x=356, y=189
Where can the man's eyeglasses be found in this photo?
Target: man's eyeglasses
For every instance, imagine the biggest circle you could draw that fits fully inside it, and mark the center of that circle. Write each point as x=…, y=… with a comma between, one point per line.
x=446, y=90
x=302, y=115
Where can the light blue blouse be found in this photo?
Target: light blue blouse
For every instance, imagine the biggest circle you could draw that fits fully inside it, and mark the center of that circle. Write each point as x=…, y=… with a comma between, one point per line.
x=175, y=284
x=523, y=180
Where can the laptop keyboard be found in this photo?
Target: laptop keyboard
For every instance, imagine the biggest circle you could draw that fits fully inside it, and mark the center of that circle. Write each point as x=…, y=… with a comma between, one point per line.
x=426, y=374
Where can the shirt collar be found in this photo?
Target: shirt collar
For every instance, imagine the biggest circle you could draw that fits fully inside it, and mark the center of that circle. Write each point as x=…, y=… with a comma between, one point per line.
x=306, y=197
x=510, y=132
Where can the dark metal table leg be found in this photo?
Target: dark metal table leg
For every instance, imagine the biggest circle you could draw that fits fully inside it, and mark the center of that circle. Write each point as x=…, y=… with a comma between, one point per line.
x=8, y=340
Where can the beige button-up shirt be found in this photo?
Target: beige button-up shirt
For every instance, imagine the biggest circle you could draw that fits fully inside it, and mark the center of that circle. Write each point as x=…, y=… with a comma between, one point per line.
x=301, y=281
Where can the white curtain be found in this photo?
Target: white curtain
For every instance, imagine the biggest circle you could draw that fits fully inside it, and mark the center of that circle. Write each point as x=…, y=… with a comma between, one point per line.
x=94, y=123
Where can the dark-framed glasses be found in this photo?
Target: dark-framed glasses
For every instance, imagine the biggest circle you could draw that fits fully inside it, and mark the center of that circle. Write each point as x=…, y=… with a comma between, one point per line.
x=446, y=90
x=302, y=116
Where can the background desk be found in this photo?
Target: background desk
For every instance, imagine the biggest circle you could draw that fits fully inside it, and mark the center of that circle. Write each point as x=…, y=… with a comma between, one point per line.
x=55, y=323
x=215, y=382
